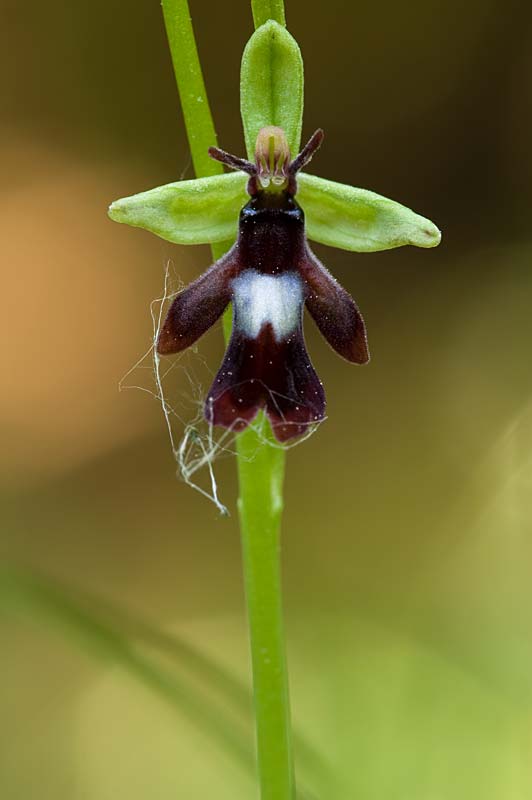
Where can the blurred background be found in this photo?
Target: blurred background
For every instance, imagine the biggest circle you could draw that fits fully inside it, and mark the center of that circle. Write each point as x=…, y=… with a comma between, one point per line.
x=407, y=554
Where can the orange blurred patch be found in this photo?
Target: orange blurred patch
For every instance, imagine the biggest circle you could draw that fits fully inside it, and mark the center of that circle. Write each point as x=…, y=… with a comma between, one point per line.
x=78, y=290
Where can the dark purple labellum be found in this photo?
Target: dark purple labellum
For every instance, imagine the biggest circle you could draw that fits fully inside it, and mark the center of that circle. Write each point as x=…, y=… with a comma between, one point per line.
x=268, y=275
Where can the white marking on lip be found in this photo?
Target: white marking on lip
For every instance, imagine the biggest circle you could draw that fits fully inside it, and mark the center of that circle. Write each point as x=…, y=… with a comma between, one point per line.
x=261, y=299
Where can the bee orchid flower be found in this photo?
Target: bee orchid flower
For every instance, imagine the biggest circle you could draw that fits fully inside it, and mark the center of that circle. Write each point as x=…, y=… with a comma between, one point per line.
x=270, y=274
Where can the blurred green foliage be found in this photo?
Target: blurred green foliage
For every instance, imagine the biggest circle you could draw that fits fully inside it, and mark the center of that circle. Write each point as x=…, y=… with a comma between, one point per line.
x=407, y=536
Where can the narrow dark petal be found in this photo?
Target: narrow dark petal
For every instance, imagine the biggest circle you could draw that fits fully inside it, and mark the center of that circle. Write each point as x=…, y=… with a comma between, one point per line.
x=234, y=162
x=306, y=155
x=334, y=311
x=267, y=372
x=197, y=307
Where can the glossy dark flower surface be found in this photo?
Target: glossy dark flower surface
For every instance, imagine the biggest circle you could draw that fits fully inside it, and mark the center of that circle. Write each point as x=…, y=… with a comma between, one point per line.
x=269, y=275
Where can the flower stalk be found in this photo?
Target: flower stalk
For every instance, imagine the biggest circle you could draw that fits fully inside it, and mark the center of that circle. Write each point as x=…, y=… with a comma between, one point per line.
x=263, y=10
x=260, y=462
x=260, y=505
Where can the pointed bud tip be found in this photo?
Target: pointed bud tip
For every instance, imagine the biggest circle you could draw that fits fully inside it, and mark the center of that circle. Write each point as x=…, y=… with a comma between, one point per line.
x=114, y=210
x=427, y=235
x=118, y=211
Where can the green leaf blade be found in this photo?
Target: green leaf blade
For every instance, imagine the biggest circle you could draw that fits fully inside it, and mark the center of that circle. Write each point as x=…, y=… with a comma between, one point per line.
x=356, y=219
x=271, y=85
x=198, y=211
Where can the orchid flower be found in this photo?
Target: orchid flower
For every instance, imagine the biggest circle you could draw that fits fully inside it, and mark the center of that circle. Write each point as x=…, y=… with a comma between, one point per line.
x=270, y=274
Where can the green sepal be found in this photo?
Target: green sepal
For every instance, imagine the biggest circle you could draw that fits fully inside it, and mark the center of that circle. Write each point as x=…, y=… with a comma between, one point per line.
x=206, y=210
x=355, y=219
x=199, y=211
x=271, y=85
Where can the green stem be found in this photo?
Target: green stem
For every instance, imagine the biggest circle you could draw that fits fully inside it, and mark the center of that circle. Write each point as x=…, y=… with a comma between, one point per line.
x=191, y=86
x=261, y=472
x=197, y=115
x=260, y=461
x=263, y=10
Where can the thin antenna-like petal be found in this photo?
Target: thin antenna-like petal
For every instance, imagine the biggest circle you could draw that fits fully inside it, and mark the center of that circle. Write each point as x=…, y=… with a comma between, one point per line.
x=306, y=155
x=234, y=162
